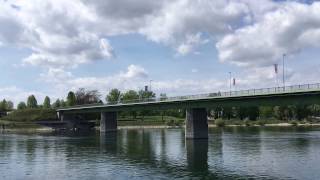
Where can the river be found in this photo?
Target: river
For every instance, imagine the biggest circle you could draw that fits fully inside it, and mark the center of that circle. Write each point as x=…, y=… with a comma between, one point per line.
x=230, y=153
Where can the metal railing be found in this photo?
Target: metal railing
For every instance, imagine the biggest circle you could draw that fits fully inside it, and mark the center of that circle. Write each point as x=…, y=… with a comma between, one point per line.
x=248, y=92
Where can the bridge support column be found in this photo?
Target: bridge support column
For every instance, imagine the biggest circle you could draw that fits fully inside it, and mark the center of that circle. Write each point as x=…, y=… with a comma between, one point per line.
x=196, y=123
x=108, y=121
x=60, y=116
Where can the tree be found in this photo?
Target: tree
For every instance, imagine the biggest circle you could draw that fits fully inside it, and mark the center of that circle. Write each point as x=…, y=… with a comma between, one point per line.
x=87, y=97
x=113, y=97
x=130, y=96
x=266, y=111
x=253, y=112
x=63, y=103
x=302, y=112
x=242, y=112
x=71, y=99
x=3, y=105
x=22, y=105
x=32, y=102
x=146, y=95
x=46, y=103
x=10, y=105
x=57, y=104
x=227, y=112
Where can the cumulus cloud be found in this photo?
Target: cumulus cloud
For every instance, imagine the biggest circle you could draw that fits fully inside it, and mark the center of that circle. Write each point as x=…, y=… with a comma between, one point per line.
x=62, y=81
x=67, y=33
x=59, y=33
x=289, y=29
x=191, y=42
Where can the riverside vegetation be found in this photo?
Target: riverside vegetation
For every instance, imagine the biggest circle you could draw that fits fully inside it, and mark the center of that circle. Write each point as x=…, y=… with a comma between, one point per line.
x=28, y=113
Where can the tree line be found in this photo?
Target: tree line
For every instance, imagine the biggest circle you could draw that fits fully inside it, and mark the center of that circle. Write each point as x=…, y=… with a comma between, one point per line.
x=83, y=96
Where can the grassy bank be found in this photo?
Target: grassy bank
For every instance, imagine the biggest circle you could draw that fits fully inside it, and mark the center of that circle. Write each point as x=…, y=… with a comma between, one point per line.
x=26, y=119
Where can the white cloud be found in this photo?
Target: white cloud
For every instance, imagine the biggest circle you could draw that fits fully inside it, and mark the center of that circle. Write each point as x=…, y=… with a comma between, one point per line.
x=289, y=29
x=62, y=81
x=191, y=42
x=59, y=33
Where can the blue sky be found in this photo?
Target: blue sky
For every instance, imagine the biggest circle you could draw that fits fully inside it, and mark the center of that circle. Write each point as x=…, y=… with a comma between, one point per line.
x=183, y=46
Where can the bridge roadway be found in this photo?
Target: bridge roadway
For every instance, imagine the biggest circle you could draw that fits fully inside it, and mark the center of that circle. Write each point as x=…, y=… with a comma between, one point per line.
x=196, y=105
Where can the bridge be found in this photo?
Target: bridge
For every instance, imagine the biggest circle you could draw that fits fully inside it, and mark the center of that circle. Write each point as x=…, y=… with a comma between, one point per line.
x=196, y=105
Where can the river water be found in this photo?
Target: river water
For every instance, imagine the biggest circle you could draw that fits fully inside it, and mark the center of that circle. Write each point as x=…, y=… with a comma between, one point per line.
x=230, y=153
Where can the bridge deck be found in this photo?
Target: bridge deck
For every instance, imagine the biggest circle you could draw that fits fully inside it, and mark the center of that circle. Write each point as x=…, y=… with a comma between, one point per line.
x=263, y=92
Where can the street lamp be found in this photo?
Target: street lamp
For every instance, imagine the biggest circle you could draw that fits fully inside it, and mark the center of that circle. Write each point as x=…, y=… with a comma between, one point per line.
x=283, y=74
x=230, y=82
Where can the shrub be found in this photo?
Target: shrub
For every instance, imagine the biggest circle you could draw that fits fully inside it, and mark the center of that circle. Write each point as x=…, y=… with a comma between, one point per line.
x=247, y=122
x=261, y=122
x=294, y=123
x=220, y=123
x=30, y=115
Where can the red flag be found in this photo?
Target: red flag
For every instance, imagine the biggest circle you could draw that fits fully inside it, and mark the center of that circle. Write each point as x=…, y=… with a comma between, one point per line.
x=234, y=81
x=276, y=68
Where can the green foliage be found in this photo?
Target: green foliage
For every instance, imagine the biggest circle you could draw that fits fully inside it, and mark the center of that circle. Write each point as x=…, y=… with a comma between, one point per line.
x=294, y=123
x=220, y=122
x=146, y=95
x=242, y=112
x=266, y=111
x=253, y=113
x=227, y=112
x=130, y=96
x=30, y=115
x=71, y=99
x=261, y=122
x=302, y=112
x=63, y=103
x=46, y=103
x=32, y=102
x=174, y=123
x=247, y=122
x=57, y=104
x=22, y=105
x=113, y=97
x=6, y=105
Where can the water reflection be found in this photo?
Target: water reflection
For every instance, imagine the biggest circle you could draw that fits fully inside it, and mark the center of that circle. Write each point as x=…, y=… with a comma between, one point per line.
x=197, y=155
x=230, y=153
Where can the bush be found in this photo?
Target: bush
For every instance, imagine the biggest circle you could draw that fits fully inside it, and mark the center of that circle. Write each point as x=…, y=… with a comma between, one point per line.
x=261, y=122
x=247, y=122
x=294, y=123
x=220, y=123
x=174, y=122
x=30, y=115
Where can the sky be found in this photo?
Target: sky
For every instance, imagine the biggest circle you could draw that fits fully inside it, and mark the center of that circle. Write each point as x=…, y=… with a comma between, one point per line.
x=180, y=47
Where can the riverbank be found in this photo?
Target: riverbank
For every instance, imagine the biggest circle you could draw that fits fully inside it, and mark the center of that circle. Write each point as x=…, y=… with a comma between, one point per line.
x=156, y=122
x=37, y=129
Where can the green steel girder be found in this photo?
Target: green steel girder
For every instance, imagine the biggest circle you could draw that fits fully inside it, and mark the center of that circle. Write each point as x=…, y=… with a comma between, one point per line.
x=295, y=98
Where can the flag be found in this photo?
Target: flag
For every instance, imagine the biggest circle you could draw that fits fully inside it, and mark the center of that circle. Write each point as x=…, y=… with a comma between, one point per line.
x=276, y=68
x=234, y=81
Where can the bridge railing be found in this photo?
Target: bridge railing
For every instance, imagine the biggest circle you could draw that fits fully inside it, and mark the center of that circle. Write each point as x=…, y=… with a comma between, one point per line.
x=248, y=92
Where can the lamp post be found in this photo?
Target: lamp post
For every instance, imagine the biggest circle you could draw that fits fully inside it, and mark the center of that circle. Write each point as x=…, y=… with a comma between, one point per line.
x=230, y=82
x=283, y=73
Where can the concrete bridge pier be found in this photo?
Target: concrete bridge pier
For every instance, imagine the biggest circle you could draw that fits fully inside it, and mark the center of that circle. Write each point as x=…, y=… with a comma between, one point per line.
x=60, y=116
x=196, y=123
x=108, y=122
